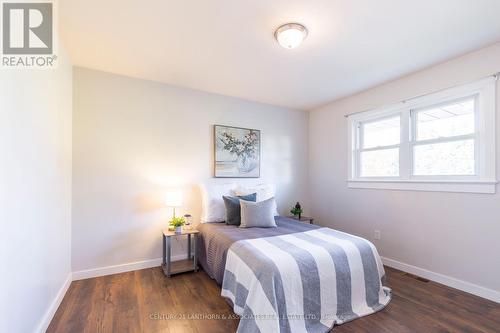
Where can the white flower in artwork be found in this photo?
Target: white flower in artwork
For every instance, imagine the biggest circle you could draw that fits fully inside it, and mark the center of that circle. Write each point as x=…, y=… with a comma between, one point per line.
x=237, y=150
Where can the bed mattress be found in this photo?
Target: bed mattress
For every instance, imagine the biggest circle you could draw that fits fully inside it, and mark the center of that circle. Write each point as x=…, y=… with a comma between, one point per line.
x=216, y=239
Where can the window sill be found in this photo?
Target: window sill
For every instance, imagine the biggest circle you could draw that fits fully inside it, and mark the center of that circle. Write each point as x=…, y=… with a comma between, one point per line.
x=465, y=186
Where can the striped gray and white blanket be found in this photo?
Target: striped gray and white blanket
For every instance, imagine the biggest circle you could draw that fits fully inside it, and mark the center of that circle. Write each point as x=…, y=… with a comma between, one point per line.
x=303, y=282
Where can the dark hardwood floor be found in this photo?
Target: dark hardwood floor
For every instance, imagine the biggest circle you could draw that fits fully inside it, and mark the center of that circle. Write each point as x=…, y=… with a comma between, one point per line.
x=146, y=301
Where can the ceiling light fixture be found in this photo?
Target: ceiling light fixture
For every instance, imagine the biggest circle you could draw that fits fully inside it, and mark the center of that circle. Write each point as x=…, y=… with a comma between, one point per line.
x=290, y=35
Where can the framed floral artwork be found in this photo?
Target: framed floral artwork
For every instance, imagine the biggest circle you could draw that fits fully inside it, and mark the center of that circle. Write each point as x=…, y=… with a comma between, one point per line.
x=237, y=152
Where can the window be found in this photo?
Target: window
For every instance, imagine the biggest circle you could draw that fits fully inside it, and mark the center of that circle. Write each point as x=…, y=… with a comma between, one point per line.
x=445, y=139
x=379, y=147
x=439, y=142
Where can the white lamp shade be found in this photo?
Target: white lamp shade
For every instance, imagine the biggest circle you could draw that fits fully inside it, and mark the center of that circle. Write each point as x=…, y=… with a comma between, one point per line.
x=173, y=198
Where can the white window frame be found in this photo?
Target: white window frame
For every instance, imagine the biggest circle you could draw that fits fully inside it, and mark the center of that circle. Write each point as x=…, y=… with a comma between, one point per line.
x=359, y=140
x=484, y=180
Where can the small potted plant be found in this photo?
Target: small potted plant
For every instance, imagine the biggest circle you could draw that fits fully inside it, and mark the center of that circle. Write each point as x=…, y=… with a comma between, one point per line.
x=296, y=210
x=177, y=223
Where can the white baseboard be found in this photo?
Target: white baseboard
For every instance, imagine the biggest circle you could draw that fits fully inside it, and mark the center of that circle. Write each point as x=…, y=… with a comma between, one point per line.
x=51, y=311
x=468, y=287
x=122, y=268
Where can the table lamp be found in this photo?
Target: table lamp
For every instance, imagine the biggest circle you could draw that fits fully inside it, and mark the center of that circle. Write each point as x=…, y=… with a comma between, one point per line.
x=173, y=198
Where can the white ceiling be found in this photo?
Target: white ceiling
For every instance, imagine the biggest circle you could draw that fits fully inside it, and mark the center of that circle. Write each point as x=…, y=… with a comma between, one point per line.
x=227, y=46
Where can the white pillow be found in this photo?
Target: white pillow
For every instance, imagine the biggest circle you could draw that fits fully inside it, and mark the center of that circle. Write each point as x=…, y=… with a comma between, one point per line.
x=213, y=209
x=264, y=192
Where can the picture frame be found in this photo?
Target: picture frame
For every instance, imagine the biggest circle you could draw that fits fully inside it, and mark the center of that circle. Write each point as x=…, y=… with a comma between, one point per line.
x=236, y=152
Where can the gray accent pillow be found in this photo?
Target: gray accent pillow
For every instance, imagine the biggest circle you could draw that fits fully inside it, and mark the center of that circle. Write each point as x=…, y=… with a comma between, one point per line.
x=258, y=214
x=232, y=204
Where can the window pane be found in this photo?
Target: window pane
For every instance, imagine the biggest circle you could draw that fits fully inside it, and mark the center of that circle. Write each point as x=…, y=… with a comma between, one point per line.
x=446, y=159
x=453, y=119
x=380, y=133
x=380, y=163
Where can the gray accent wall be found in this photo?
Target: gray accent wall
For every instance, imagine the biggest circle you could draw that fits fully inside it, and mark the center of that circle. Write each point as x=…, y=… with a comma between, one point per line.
x=133, y=139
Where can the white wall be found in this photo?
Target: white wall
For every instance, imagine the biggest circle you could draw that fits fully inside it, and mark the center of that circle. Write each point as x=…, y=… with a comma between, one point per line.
x=132, y=139
x=35, y=194
x=454, y=234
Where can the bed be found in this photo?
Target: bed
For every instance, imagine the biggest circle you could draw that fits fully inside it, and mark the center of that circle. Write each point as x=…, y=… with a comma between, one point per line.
x=296, y=277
